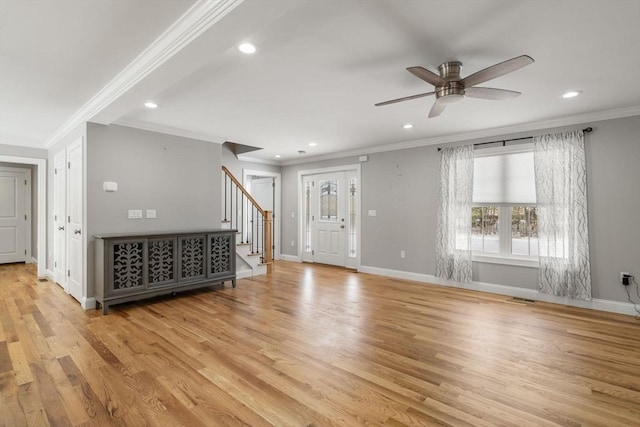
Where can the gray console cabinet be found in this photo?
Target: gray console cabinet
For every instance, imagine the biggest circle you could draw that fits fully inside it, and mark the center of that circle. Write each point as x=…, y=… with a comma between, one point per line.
x=136, y=266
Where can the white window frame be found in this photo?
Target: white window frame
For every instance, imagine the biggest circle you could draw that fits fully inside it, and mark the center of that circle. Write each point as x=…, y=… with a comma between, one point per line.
x=504, y=256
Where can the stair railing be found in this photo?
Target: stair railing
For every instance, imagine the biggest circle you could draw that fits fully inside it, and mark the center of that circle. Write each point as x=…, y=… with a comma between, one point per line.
x=243, y=213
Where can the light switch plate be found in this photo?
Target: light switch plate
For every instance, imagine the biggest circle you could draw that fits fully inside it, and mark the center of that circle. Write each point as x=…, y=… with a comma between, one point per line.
x=110, y=187
x=134, y=214
x=151, y=213
x=372, y=212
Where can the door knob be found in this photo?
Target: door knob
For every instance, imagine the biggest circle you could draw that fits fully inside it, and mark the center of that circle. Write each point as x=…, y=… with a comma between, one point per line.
x=61, y=228
x=76, y=231
x=342, y=226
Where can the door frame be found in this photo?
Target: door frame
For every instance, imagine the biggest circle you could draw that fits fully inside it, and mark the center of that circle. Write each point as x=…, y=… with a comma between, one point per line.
x=27, y=207
x=346, y=168
x=84, y=301
x=62, y=173
x=41, y=165
x=277, y=207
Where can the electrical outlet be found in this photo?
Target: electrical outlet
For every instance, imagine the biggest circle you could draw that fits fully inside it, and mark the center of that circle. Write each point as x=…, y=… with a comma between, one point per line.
x=402, y=254
x=134, y=214
x=623, y=275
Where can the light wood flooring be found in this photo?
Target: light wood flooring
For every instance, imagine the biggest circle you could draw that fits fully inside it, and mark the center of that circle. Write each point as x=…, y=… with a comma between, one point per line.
x=312, y=346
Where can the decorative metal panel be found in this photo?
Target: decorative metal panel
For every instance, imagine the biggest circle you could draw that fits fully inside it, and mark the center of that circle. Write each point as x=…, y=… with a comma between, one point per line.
x=161, y=261
x=128, y=265
x=192, y=257
x=220, y=254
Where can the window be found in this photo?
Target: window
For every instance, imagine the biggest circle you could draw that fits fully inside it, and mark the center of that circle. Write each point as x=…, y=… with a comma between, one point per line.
x=307, y=217
x=352, y=218
x=329, y=201
x=504, y=221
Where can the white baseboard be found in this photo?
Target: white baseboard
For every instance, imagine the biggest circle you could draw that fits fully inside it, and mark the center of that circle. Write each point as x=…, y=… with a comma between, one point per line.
x=595, y=303
x=292, y=258
x=49, y=275
x=88, y=303
x=243, y=274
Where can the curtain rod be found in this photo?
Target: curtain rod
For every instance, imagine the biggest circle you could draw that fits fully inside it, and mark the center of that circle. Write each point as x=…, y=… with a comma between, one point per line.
x=504, y=141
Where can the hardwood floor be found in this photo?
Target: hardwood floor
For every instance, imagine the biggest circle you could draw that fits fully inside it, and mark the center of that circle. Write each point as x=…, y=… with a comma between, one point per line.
x=312, y=346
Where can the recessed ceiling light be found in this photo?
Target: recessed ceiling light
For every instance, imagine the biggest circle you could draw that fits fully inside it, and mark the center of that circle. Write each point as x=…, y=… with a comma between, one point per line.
x=277, y=156
x=247, y=48
x=571, y=94
x=312, y=144
x=151, y=105
x=407, y=126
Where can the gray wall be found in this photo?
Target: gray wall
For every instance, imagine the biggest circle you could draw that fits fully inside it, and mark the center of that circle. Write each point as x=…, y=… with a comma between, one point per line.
x=178, y=177
x=236, y=166
x=402, y=186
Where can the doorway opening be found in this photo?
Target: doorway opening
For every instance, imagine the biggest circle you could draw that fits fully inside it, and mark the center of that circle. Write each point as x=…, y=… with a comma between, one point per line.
x=264, y=187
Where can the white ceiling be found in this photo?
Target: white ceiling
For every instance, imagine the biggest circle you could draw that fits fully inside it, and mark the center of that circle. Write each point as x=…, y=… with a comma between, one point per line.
x=320, y=67
x=56, y=54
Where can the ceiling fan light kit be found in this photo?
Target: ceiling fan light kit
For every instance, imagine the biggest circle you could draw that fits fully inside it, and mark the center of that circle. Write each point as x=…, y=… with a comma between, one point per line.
x=450, y=88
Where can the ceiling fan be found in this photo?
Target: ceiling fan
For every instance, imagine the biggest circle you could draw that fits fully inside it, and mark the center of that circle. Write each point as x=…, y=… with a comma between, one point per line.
x=450, y=88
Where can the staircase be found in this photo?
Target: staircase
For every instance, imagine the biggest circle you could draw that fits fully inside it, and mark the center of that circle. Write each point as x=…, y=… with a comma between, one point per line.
x=254, y=227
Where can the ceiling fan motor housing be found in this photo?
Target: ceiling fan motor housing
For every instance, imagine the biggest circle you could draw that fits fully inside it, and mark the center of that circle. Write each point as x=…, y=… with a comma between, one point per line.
x=454, y=91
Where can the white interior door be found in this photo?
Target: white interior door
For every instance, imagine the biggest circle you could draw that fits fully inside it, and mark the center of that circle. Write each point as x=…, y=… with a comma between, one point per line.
x=329, y=218
x=13, y=217
x=60, y=219
x=74, y=220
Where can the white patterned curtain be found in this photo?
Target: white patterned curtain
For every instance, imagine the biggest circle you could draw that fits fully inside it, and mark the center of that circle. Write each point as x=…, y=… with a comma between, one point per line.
x=453, y=246
x=561, y=193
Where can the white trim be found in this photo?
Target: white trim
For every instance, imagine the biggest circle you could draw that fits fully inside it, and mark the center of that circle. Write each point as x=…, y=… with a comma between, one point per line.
x=41, y=164
x=243, y=274
x=475, y=135
x=199, y=18
x=292, y=258
x=26, y=172
x=533, y=294
x=521, y=262
x=278, y=202
x=88, y=303
x=49, y=275
x=33, y=261
x=249, y=159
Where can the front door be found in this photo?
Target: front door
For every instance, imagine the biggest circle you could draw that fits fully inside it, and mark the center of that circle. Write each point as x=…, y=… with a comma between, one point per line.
x=328, y=218
x=60, y=219
x=13, y=217
x=74, y=220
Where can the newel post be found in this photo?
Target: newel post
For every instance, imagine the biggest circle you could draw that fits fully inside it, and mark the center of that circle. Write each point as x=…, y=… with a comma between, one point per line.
x=268, y=240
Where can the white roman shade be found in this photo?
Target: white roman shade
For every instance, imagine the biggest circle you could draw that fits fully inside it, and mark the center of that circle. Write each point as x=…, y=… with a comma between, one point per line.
x=505, y=178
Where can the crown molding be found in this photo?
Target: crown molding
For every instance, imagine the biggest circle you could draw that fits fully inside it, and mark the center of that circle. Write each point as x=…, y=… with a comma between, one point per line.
x=475, y=135
x=199, y=18
x=259, y=161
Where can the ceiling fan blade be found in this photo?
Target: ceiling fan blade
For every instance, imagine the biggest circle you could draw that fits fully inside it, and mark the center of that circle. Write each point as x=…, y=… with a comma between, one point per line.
x=428, y=76
x=436, y=109
x=491, y=93
x=406, y=98
x=497, y=70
